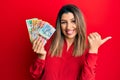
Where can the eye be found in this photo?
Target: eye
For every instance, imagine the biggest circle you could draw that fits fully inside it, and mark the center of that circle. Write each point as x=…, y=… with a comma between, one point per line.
x=73, y=21
x=63, y=22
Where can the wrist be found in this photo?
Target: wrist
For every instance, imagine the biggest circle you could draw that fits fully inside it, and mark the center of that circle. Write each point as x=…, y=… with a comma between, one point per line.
x=93, y=51
x=40, y=56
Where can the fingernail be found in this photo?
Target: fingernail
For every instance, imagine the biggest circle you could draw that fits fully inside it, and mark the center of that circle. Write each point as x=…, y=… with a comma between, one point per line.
x=110, y=37
x=40, y=38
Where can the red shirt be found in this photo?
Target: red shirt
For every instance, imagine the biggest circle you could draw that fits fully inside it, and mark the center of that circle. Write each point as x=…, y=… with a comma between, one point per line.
x=66, y=67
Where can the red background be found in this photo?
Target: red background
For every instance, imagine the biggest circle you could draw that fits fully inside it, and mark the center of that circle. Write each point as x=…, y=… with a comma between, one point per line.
x=16, y=53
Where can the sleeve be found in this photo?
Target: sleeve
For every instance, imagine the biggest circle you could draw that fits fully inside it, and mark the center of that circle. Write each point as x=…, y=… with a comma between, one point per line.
x=89, y=67
x=37, y=68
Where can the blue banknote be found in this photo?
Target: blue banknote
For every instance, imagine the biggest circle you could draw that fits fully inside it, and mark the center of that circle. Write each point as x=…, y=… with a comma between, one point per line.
x=46, y=31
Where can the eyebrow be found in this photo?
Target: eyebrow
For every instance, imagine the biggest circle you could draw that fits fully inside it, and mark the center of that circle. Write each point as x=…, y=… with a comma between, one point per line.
x=70, y=19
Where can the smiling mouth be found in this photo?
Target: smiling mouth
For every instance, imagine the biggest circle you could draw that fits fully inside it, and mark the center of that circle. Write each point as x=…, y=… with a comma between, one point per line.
x=69, y=32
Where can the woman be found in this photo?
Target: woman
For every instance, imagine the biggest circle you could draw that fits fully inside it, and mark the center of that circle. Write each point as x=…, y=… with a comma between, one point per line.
x=67, y=58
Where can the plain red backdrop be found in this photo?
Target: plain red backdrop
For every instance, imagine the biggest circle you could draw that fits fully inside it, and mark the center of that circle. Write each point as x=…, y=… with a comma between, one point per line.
x=16, y=53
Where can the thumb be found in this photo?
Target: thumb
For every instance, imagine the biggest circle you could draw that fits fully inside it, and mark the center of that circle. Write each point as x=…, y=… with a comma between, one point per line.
x=106, y=39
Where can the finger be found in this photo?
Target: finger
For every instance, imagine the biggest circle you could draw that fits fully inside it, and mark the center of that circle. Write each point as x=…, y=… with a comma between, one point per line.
x=92, y=36
x=34, y=43
x=41, y=46
x=38, y=44
x=89, y=39
x=97, y=35
x=42, y=42
x=106, y=39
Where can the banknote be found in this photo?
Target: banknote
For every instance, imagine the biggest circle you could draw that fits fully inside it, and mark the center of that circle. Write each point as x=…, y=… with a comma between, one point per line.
x=29, y=25
x=46, y=31
x=33, y=33
x=35, y=30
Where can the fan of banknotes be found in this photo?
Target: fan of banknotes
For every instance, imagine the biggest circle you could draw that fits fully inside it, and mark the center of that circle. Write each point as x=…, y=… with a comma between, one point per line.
x=35, y=30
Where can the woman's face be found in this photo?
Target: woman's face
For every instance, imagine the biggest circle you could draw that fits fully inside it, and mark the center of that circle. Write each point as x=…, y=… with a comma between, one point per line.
x=68, y=25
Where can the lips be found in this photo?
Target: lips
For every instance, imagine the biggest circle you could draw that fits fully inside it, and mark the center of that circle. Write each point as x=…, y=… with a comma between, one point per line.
x=69, y=32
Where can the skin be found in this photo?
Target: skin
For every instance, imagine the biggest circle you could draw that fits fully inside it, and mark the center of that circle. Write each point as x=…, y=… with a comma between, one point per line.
x=68, y=28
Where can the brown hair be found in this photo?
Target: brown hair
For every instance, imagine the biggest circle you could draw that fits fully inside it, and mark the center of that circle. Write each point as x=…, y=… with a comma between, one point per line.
x=80, y=39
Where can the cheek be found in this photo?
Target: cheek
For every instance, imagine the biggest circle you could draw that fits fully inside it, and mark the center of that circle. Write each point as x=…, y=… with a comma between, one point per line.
x=76, y=32
x=63, y=27
x=76, y=29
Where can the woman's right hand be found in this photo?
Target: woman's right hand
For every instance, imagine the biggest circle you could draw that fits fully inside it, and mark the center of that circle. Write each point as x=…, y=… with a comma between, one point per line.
x=38, y=47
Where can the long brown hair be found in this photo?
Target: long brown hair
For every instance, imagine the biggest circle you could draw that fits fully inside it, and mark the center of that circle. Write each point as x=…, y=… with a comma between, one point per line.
x=80, y=39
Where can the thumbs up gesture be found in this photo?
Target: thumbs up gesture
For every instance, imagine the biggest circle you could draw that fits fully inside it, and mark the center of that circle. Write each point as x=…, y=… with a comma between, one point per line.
x=95, y=41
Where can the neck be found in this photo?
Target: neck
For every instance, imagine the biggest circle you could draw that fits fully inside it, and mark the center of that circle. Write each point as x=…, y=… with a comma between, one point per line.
x=69, y=42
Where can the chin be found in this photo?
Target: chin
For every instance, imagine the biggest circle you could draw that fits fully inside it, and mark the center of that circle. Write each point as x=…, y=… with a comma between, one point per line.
x=70, y=37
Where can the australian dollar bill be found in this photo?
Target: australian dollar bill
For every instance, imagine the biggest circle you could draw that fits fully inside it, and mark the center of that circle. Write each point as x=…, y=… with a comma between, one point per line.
x=34, y=29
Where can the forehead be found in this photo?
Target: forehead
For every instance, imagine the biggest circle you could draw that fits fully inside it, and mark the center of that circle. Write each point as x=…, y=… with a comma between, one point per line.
x=66, y=16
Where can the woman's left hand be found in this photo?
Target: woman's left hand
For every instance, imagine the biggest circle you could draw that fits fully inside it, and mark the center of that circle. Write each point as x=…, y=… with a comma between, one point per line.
x=95, y=41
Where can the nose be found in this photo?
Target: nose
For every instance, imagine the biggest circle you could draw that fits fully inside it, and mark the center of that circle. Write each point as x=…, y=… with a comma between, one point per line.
x=69, y=25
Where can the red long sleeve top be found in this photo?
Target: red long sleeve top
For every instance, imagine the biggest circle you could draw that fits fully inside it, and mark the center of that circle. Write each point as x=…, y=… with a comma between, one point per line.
x=66, y=67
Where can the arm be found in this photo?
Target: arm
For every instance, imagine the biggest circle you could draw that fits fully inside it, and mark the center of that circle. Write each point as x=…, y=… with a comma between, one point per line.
x=37, y=68
x=89, y=67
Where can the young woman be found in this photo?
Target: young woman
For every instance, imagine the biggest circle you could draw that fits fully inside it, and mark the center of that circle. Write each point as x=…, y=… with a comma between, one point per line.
x=67, y=58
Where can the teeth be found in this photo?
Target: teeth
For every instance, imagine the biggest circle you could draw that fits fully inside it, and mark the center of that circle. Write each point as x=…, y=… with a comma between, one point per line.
x=69, y=32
